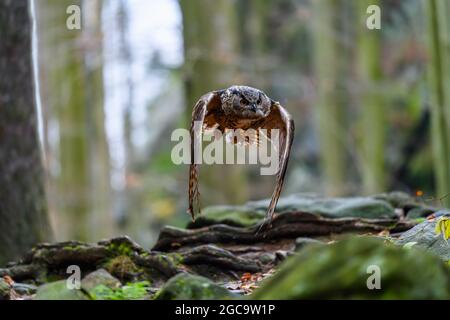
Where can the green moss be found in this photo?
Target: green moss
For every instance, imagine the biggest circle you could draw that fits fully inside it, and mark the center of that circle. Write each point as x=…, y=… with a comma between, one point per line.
x=121, y=266
x=72, y=248
x=232, y=215
x=130, y=291
x=170, y=260
x=419, y=220
x=121, y=249
x=176, y=258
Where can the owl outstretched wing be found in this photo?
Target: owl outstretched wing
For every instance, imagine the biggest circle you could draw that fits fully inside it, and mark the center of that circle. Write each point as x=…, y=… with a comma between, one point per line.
x=280, y=119
x=203, y=114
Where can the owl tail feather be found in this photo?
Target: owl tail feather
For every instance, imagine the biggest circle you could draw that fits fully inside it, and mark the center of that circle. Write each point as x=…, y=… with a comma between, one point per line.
x=194, y=193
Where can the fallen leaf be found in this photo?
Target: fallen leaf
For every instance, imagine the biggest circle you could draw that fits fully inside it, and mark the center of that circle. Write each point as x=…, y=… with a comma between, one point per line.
x=8, y=280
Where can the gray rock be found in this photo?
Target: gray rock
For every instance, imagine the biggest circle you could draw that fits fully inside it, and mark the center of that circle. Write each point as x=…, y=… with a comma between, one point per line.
x=301, y=242
x=24, y=289
x=187, y=287
x=398, y=199
x=58, y=291
x=267, y=258
x=97, y=278
x=419, y=212
x=423, y=235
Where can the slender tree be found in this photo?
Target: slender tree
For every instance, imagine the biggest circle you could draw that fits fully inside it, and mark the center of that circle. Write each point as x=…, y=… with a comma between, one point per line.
x=72, y=91
x=99, y=160
x=439, y=85
x=23, y=215
x=372, y=112
x=211, y=45
x=133, y=216
x=330, y=67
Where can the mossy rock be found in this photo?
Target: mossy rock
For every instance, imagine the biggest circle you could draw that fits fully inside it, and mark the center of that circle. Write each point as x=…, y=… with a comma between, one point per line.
x=424, y=236
x=190, y=287
x=398, y=199
x=255, y=211
x=58, y=291
x=97, y=278
x=420, y=212
x=342, y=271
x=358, y=207
x=239, y=216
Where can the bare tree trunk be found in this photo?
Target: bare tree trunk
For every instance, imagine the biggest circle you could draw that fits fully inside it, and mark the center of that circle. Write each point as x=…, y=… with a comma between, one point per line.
x=439, y=79
x=61, y=62
x=101, y=225
x=210, y=43
x=72, y=91
x=372, y=110
x=330, y=64
x=23, y=215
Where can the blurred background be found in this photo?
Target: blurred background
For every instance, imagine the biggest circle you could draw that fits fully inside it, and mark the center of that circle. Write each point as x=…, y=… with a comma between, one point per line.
x=371, y=107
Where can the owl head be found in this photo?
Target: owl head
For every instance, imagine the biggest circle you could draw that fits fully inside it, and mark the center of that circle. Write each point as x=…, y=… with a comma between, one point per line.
x=245, y=102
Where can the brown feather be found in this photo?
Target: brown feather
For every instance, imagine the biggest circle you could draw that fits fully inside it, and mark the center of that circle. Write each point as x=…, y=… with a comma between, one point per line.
x=279, y=118
x=204, y=111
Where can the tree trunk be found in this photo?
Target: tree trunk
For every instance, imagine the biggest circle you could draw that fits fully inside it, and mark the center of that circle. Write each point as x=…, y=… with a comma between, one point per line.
x=101, y=225
x=210, y=44
x=439, y=82
x=371, y=103
x=72, y=91
x=23, y=215
x=330, y=64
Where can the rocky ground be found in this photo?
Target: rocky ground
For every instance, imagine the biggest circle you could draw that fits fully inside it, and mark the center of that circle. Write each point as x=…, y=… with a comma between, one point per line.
x=315, y=248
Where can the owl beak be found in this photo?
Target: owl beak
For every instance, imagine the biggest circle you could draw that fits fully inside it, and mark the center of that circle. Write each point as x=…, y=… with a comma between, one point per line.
x=253, y=107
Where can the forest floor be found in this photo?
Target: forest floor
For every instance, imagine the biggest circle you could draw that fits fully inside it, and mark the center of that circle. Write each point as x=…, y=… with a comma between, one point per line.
x=315, y=248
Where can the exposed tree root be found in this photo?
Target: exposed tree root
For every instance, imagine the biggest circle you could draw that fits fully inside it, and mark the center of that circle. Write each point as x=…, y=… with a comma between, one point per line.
x=49, y=259
x=285, y=226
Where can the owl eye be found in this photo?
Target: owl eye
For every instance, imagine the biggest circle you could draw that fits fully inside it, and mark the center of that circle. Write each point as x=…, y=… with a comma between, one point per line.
x=245, y=102
x=259, y=101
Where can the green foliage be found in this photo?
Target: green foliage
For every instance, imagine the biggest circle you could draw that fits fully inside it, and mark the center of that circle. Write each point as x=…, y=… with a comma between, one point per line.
x=130, y=291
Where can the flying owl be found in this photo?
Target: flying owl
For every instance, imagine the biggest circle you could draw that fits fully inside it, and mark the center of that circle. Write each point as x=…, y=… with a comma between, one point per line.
x=240, y=107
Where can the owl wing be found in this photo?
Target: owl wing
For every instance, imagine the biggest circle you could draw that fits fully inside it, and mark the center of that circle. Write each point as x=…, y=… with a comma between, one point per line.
x=279, y=118
x=204, y=113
